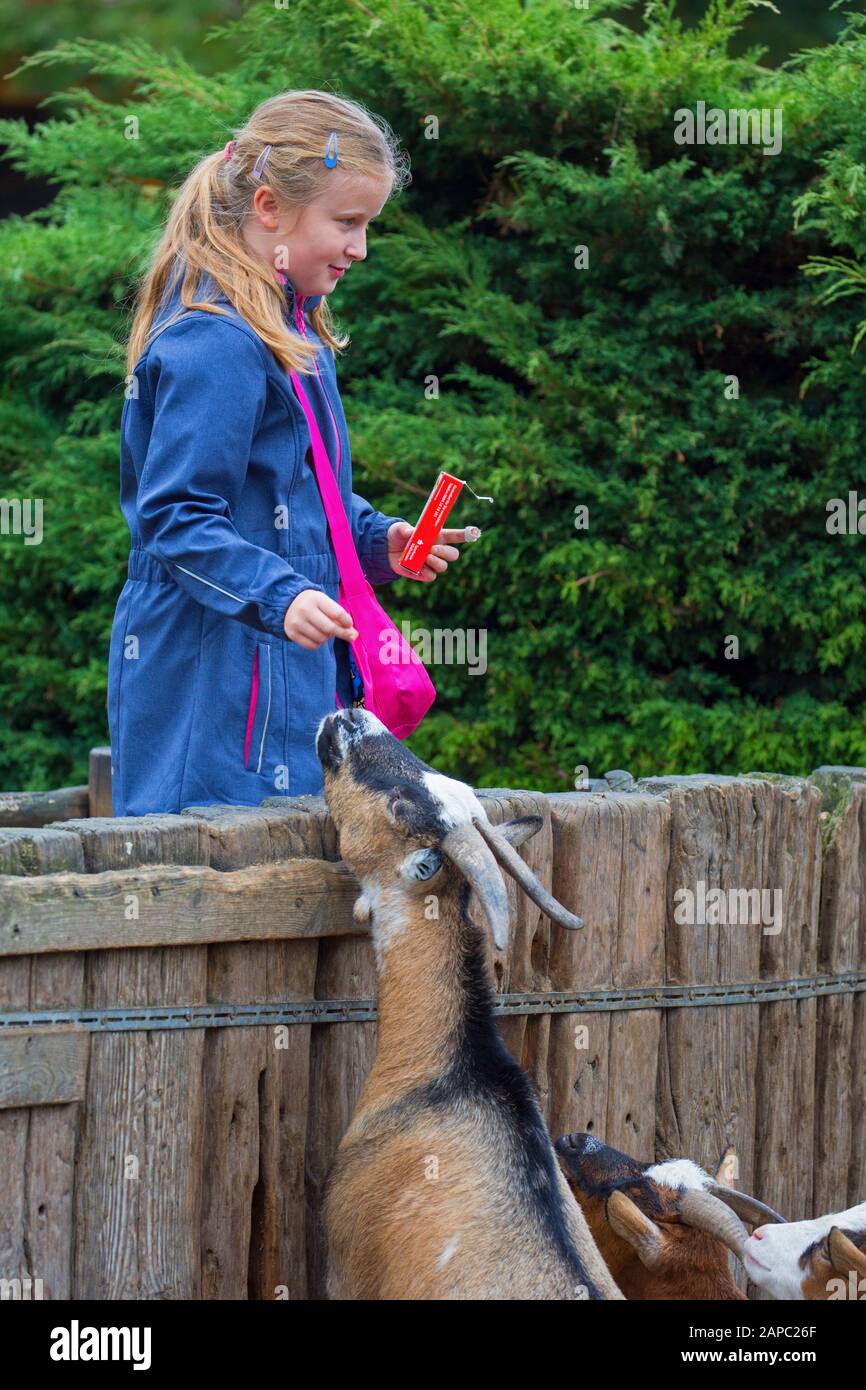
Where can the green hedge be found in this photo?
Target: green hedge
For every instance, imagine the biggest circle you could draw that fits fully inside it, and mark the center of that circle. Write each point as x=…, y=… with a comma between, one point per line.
x=559, y=387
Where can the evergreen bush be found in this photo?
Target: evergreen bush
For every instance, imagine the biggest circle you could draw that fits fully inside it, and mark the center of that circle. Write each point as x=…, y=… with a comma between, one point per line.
x=606, y=386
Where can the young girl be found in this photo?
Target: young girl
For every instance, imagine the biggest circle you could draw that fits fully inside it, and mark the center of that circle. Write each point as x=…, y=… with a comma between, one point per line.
x=228, y=644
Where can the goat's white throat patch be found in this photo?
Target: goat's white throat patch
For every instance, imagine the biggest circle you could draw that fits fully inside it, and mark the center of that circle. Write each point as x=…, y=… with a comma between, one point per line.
x=385, y=912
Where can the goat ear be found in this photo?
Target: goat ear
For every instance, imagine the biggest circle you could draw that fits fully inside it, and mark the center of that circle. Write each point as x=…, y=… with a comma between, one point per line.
x=844, y=1254
x=630, y=1223
x=726, y=1172
x=521, y=829
x=402, y=809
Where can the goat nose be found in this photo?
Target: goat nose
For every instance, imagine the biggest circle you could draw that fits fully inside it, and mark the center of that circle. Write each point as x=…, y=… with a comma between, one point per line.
x=328, y=749
x=758, y=1233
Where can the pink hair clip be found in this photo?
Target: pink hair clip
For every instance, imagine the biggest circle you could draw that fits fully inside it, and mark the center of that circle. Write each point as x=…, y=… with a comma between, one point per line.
x=229, y=149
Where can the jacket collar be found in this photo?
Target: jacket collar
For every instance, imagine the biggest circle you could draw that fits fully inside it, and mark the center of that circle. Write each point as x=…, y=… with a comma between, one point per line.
x=307, y=302
x=292, y=298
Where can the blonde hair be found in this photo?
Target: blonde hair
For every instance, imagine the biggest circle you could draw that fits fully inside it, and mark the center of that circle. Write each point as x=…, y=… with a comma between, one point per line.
x=203, y=231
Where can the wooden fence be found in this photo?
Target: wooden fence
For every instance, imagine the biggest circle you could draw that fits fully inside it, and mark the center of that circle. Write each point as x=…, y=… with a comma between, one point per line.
x=187, y=1016
x=29, y=809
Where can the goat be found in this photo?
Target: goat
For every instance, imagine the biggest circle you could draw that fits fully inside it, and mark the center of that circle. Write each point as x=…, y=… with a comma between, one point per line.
x=445, y=1185
x=664, y=1229
x=824, y=1258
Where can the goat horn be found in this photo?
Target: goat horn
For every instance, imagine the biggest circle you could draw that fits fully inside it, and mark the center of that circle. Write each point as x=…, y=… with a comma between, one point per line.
x=749, y=1208
x=464, y=847
x=705, y=1212
x=512, y=862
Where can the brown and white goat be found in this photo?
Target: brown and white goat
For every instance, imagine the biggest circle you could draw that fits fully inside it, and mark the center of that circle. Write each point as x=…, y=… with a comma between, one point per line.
x=820, y=1259
x=664, y=1229
x=445, y=1185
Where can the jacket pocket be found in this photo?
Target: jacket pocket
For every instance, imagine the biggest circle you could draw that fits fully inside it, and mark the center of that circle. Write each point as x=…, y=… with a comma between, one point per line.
x=259, y=708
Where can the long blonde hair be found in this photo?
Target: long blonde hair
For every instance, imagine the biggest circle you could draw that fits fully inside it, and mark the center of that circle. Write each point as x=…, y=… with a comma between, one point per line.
x=203, y=231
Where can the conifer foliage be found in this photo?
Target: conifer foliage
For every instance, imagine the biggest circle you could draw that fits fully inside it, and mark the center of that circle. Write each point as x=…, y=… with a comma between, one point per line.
x=647, y=351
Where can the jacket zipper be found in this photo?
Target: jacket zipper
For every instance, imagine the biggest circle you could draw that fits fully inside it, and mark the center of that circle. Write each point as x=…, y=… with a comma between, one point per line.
x=251, y=713
x=254, y=700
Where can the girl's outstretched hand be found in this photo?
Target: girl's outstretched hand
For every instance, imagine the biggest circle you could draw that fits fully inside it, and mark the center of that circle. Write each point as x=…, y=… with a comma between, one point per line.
x=445, y=549
x=312, y=618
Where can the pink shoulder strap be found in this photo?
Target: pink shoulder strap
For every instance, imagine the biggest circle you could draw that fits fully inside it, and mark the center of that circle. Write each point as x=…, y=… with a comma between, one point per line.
x=351, y=574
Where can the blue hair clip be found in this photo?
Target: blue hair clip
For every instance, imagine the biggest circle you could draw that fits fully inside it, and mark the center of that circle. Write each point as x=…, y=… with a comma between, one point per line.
x=329, y=160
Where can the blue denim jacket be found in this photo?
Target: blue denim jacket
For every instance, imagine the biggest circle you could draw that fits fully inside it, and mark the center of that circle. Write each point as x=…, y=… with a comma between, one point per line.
x=208, y=700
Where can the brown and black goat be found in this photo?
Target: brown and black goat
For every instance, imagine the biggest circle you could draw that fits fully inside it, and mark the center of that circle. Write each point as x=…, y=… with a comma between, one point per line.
x=445, y=1185
x=664, y=1229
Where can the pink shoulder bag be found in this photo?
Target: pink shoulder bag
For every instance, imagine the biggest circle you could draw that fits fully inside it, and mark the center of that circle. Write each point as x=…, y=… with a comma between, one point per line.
x=397, y=688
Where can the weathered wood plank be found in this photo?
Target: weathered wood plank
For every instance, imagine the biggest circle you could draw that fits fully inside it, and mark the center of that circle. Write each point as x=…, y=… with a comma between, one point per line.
x=141, y=1159
x=278, y=1235
x=341, y=1056
x=39, y=808
x=141, y=1162
x=786, y=1047
x=24, y=852
x=130, y=842
x=234, y=1063
x=857, y=1162
x=638, y=960
x=38, y=1144
x=238, y=836
x=585, y=861
x=185, y=905
x=840, y=1069
x=99, y=782
x=48, y=1067
x=609, y=866
x=707, y=1064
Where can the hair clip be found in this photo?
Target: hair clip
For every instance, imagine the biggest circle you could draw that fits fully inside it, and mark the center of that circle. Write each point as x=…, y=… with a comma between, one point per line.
x=229, y=149
x=329, y=160
x=259, y=166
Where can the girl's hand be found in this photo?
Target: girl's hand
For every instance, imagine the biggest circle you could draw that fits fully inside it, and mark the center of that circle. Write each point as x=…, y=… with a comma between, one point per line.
x=312, y=618
x=436, y=563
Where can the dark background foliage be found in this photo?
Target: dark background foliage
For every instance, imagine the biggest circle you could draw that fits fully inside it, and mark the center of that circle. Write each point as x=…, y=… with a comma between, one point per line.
x=558, y=387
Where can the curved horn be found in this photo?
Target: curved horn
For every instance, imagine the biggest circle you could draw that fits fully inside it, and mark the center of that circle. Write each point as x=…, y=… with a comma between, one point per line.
x=749, y=1208
x=705, y=1212
x=464, y=847
x=512, y=862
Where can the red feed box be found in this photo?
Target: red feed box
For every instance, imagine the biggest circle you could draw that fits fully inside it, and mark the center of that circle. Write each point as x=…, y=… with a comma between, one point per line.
x=445, y=492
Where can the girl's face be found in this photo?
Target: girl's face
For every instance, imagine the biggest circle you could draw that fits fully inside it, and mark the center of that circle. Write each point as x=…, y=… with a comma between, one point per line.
x=329, y=235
